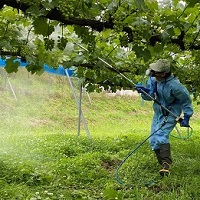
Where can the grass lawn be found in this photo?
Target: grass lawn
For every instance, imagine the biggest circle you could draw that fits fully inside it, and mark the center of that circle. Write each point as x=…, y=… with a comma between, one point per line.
x=42, y=156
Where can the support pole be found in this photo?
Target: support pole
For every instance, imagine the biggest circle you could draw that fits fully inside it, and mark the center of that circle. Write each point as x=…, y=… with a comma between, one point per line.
x=79, y=110
x=81, y=116
x=11, y=88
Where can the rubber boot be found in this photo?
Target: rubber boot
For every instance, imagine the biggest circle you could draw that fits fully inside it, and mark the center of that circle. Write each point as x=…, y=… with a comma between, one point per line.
x=157, y=153
x=165, y=154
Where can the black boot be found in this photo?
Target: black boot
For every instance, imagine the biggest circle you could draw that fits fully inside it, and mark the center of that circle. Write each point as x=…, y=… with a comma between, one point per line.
x=157, y=152
x=165, y=154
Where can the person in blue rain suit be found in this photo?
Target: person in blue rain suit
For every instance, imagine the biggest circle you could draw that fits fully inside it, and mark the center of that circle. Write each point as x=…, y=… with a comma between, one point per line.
x=166, y=89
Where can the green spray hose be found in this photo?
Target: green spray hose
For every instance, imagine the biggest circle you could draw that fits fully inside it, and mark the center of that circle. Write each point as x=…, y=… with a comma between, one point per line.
x=133, y=151
x=180, y=136
x=190, y=131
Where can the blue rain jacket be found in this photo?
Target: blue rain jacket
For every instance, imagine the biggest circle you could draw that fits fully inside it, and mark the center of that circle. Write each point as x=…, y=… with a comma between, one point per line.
x=172, y=95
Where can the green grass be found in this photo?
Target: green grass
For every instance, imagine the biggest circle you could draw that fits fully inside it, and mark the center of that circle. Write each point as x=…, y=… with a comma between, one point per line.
x=41, y=156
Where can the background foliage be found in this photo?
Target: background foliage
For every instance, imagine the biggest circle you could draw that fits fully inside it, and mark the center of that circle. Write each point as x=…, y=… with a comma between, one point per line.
x=128, y=34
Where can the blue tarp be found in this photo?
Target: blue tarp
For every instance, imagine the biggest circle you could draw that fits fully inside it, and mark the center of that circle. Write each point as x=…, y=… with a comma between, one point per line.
x=59, y=71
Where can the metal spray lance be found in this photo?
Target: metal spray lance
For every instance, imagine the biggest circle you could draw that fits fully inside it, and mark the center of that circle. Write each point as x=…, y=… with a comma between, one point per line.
x=109, y=66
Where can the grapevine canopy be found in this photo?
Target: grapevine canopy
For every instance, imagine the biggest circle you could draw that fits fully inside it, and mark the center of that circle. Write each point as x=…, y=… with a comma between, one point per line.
x=128, y=34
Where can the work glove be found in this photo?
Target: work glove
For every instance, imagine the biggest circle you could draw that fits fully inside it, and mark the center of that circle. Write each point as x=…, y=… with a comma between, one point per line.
x=185, y=121
x=141, y=88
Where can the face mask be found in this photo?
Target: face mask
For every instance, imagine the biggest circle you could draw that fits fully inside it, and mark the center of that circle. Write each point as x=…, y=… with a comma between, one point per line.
x=150, y=72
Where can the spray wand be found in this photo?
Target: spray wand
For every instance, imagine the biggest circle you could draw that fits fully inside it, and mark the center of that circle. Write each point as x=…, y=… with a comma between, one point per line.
x=178, y=119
